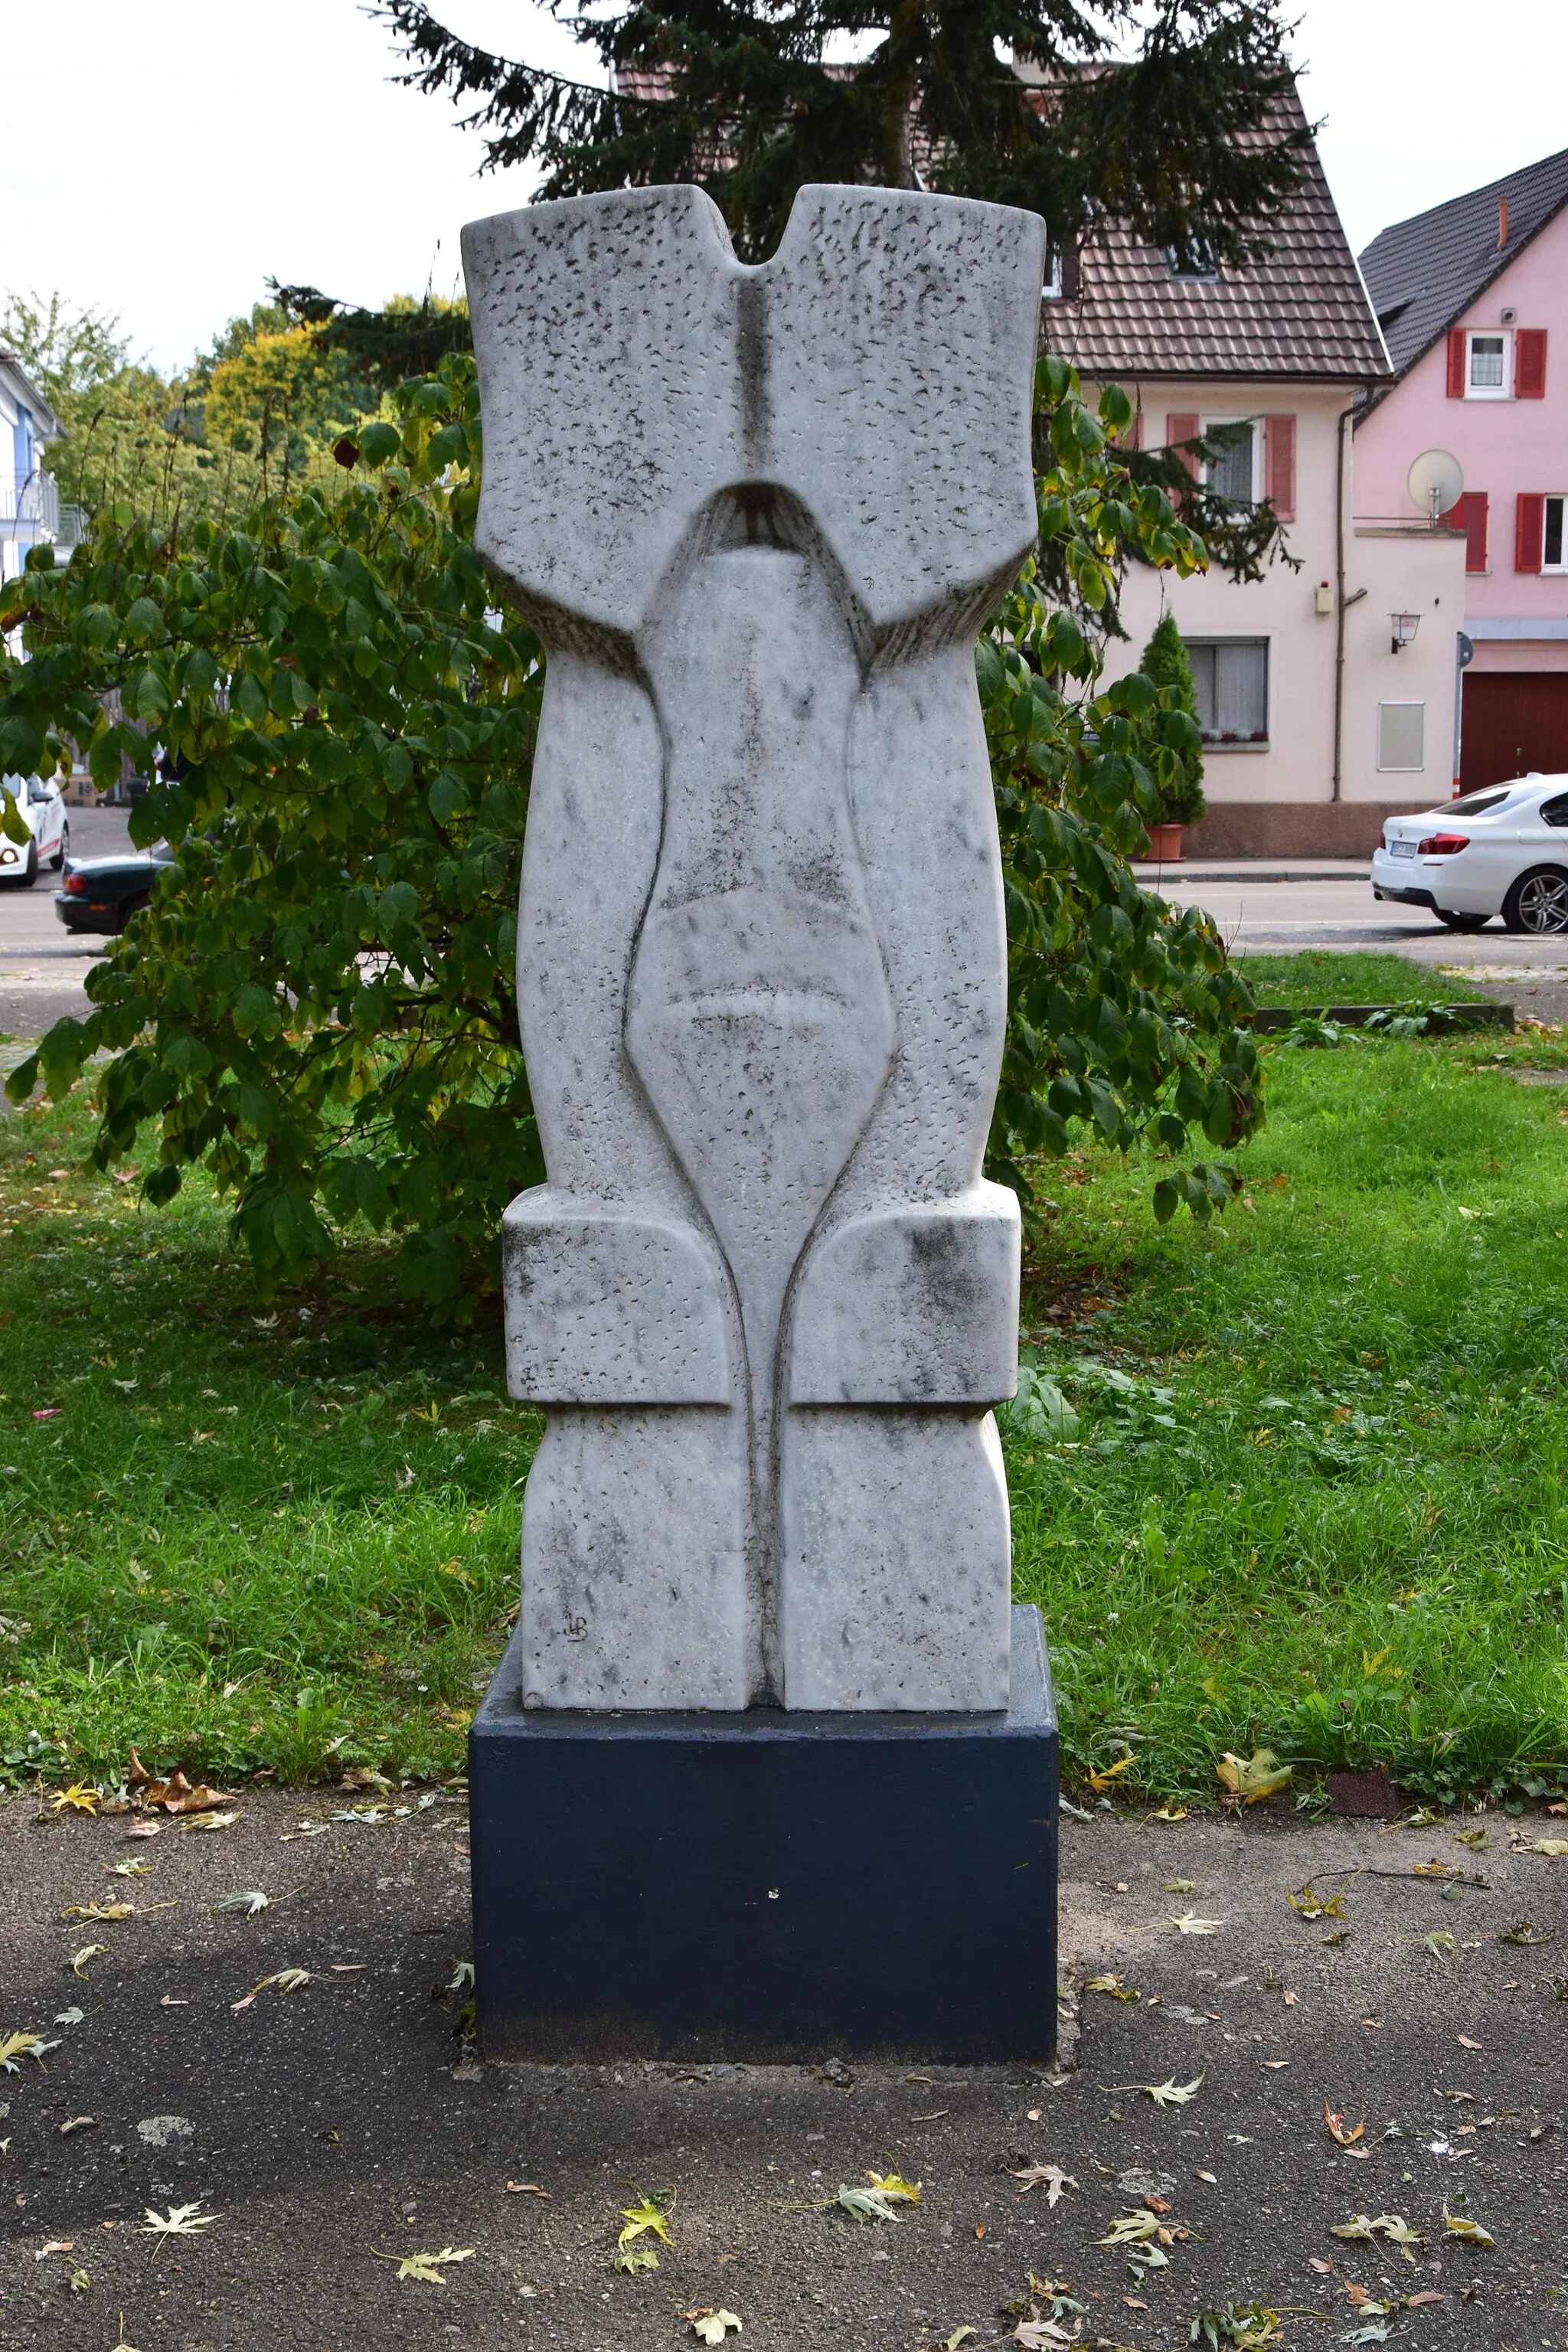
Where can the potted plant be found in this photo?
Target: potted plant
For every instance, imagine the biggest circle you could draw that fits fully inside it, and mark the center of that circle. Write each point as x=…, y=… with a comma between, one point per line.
x=1179, y=774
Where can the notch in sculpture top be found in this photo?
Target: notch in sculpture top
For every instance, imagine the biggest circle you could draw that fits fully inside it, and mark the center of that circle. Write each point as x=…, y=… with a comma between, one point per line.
x=878, y=369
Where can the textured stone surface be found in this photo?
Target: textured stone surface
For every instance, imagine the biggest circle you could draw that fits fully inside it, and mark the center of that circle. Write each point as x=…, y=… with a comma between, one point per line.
x=757, y=516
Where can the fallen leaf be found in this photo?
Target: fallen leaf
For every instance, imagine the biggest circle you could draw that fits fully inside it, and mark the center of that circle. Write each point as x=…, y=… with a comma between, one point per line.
x=1180, y=1886
x=710, y=2327
x=1040, y=2334
x=80, y=1959
x=204, y=1822
x=80, y=2281
x=1440, y=1943
x=1312, y=1906
x=879, y=2203
x=1165, y=2095
x=79, y=1796
x=1274, y=2064
x=1289, y=2000
x=1477, y=1840
x=1320, y=2264
x=960, y=2335
x=1391, y=2226
x=131, y=1869
x=527, y=2188
x=1466, y=2044
x=1113, y=1986
x=1425, y=2295
x=250, y=1903
x=1253, y=1778
x=68, y=2016
x=1211, y=2178
x=1191, y=1924
x=1524, y=1931
x=1101, y=1782
x=56, y=2246
x=179, y=2222
x=145, y=1830
x=1170, y=1813
x=286, y=1981
x=427, y=2266
x=651, y=2214
x=76, y=2124
x=1054, y=2178
x=99, y=1911
x=25, y=2045
x=462, y=1975
x=1472, y=2232
x=1337, y=2131
x=1550, y=1845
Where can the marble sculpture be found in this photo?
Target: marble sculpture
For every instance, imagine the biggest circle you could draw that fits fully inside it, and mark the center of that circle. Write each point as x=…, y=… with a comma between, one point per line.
x=766, y=1297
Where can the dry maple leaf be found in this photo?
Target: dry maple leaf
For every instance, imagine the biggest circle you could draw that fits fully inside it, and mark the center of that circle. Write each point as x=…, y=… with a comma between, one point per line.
x=286, y=1981
x=179, y=2222
x=189, y=1822
x=99, y=1911
x=1101, y=1782
x=1472, y=2232
x=712, y=2326
x=1337, y=2131
x=1040, y=2334
x=1191, y=1924
x=79, y=1796
x=1052, y=2175
x=79, y=1958
x=1253, y=1778
x=427, y=2266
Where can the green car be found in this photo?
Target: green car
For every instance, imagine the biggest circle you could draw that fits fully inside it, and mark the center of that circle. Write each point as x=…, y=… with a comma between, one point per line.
x=102, y=894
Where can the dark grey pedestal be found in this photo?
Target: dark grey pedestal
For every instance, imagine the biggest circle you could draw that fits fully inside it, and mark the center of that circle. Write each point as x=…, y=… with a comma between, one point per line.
x=766, y=1884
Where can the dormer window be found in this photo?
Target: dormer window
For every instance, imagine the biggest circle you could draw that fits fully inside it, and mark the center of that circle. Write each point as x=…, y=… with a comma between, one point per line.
x=1054, y=286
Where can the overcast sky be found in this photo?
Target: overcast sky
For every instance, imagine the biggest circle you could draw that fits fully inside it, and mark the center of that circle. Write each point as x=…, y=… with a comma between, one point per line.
x=163, y=159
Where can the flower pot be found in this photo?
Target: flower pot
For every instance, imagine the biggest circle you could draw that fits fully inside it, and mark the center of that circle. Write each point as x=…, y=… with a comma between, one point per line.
x=1165, y=843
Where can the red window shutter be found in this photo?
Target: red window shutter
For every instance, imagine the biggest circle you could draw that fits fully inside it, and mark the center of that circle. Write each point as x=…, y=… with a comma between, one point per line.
x=1280, y=452
x=1529, y=518
x=1456, y=362
x=1470, y=515
x=1529, y=364
x=1182, y=428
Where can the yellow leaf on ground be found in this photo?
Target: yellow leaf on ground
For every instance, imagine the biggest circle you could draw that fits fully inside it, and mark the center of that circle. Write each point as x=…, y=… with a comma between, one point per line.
x=1100, y=1782
x=427, y=2266
x=1253, y=1778
x=1472, y=2232
x=79, y=1796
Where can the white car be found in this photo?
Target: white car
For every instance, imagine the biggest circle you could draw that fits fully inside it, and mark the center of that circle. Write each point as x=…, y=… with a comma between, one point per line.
x=44, y=810
x=1502, y=851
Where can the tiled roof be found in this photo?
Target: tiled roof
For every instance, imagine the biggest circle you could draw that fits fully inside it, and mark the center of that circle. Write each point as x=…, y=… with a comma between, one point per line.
x=1422, y=274
x=1303, y=312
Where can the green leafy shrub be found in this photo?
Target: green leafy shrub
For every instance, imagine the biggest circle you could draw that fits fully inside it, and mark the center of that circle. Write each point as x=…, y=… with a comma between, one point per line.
x=319, y=1004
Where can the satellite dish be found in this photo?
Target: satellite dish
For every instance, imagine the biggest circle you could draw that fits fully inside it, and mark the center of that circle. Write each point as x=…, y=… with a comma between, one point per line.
x=1435, y=482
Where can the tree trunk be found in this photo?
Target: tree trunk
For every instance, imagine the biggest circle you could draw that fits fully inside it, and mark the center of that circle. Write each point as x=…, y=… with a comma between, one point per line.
x=906, y=39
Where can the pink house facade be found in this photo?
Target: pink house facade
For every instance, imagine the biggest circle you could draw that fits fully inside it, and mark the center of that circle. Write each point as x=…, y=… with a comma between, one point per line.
x=1472, y=298
x=1326, y=689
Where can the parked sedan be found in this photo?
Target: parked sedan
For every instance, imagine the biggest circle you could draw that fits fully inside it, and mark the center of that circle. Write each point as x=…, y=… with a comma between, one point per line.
x=44, y=810
x=102, y=894
x=1503, y=851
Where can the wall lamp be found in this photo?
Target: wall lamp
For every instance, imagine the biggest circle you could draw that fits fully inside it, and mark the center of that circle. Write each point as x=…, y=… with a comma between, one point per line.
x=1405, y=627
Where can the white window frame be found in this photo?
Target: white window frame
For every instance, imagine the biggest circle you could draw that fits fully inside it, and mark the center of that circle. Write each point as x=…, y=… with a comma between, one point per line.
x=1403, y=767
x=1243, y=742
x=1503, y=391
x=1207, y=424
x=1054, y=286
x=1555, y=498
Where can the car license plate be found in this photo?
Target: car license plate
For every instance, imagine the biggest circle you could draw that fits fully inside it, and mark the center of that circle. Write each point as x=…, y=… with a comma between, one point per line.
x=1402, y=849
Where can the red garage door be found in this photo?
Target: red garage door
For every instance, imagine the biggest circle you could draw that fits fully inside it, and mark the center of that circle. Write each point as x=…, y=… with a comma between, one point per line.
x=1513, y=720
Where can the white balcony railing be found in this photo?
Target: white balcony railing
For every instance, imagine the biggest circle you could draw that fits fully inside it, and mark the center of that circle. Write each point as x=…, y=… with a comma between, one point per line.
x=31, y=511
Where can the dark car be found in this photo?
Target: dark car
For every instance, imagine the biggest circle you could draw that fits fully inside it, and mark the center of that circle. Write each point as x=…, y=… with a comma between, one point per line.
x=102, y=894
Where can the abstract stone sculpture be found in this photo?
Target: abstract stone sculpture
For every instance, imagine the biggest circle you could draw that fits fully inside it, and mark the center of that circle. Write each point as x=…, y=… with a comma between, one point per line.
x=758, y=516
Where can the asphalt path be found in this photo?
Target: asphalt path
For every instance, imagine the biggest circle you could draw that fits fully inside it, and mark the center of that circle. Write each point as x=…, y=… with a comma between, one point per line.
x=42, y=967
x=335, y=2125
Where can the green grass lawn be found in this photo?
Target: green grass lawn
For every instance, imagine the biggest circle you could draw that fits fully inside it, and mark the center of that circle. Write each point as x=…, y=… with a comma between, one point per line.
x=1315, y=1500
